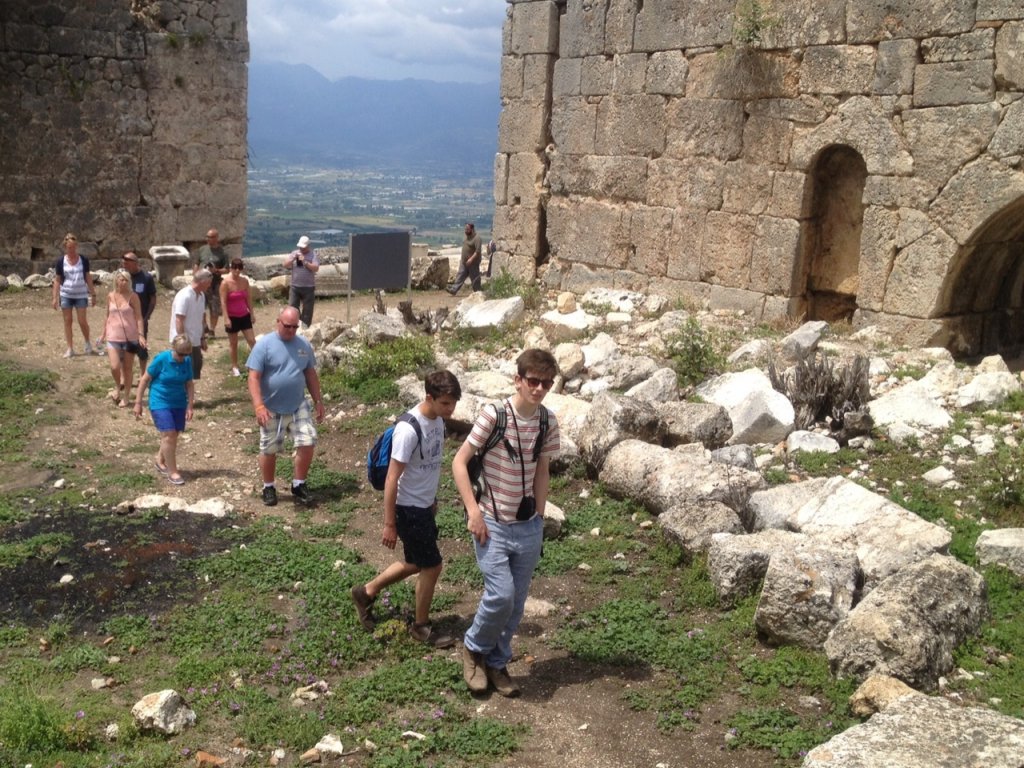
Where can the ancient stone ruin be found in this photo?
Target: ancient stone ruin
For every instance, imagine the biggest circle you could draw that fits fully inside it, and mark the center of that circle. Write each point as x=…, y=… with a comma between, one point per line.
x=826, y=158
x=123, y=121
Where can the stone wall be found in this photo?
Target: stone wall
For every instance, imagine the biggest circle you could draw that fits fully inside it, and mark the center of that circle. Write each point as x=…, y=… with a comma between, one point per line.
x=827, y=158
x=123, y=121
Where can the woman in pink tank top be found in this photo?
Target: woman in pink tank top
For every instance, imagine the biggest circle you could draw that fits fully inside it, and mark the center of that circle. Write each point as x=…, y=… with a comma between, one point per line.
x=236, y=298
x=123, y=335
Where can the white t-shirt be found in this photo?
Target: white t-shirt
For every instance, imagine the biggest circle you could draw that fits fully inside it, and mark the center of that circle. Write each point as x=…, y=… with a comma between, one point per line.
x=417, y=487
x=193, y=306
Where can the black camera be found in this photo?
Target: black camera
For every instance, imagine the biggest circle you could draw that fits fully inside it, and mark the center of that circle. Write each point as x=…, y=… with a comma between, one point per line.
x=527, y=508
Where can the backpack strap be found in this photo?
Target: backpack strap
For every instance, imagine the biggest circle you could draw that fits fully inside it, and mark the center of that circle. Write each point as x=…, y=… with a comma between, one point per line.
x=413, y=422
x=541, y=434
x=498, y=432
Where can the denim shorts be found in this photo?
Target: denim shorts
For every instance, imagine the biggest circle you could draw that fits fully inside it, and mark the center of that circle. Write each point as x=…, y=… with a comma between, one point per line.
x=417, y=528
x=120, y=346
x=169, y=419
x=67, y=302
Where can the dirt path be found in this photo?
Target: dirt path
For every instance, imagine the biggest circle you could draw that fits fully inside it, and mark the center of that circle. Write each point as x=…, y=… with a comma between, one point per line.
x=575, y=711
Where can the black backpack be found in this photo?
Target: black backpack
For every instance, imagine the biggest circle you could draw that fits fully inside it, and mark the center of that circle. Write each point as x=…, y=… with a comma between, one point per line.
x=475, y=466
x=378, y=459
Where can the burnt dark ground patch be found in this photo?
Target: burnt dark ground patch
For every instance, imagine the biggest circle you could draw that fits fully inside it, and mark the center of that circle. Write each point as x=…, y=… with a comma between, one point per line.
x=120, y=564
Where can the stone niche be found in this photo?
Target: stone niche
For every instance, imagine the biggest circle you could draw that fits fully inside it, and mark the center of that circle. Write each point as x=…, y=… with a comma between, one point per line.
x=857, y=161
x=123, y=122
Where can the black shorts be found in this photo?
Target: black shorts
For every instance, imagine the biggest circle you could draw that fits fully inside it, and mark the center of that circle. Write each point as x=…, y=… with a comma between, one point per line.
x=417, y=529
x=243, y=323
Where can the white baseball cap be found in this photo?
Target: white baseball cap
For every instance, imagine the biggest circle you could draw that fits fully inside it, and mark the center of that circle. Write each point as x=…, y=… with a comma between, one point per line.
x=303, y=242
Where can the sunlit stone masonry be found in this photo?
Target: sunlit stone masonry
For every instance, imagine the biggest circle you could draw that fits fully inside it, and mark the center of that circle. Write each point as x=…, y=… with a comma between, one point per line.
x=830, y=158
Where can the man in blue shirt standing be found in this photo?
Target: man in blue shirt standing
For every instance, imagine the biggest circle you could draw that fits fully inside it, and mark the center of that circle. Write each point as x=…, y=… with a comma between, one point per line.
x=281, y=368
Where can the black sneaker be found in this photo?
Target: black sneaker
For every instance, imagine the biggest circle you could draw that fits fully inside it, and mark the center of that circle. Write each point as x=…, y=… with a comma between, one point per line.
x=301, y=494
x=270, y=496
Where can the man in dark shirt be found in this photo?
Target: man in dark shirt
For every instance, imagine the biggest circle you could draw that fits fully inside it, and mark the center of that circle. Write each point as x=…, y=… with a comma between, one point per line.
x=145, y=288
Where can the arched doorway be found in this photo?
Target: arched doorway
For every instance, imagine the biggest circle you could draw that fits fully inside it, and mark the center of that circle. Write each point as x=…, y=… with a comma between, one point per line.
x=983, y=296
x=831, y=250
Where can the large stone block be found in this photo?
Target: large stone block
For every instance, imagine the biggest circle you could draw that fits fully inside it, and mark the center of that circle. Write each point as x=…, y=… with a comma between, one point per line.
x=868, y=21
x=839, y=69
x=894, y=67
x=666, y=73
x=798, y=23
x=774, y=256
x=976, y=194
x=766, y=141
x=518, y=228
x=582, y=30
x=861, y=124
x=522, y=126
x=918, y=274
x=674, y=24
x=728, y=238
x=955, y=82
x=704, y=127
x=630, y=73
x=534, y=28
x=747, y=188
x=621, y=178
x=648, y=227
x=590, y=232
x=525, y=175
x=574, y=126
x=997, y=10
x=944, y=139
x=696, y=182
x=877, y=251
x=500, y=179
x=631, y=125
x=537, y=77
x=788, y=192
x=743, y=74
x=967, y=47
x=566, y=78
x=683, y=250
x=597, y=77
x=1009, y=52
x=1009, y=139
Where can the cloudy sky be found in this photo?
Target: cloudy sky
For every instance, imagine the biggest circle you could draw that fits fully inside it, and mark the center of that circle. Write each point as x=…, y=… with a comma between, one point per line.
x=445, y=40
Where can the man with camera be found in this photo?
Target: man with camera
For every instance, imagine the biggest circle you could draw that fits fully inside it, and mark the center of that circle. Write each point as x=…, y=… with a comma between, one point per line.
x=214, y=259
x=304, y=264
x=507, y=522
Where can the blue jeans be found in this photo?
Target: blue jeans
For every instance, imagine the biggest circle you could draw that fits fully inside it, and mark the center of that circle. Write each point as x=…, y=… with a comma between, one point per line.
x=507, y=562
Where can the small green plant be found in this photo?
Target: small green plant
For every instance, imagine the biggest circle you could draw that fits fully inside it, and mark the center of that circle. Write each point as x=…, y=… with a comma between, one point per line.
x=752, y=21
x=693, y=353
x=506, y=285
x=173, y=41
x=197, y=39
x=373, y=371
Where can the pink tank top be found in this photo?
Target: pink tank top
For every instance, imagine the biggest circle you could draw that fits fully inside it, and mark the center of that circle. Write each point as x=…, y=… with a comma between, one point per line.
x=121, y=324
x=238, y=303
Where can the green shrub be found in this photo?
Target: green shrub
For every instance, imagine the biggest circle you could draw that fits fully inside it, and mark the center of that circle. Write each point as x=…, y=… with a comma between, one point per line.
x=372, y=372
x=506, y=285
x=693, y=353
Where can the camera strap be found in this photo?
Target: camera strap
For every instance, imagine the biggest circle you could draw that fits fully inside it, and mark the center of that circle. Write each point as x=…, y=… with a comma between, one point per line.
x=519, y=444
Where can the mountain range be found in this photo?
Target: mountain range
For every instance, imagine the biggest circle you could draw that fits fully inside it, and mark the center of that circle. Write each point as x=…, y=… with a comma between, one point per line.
x=298, y=116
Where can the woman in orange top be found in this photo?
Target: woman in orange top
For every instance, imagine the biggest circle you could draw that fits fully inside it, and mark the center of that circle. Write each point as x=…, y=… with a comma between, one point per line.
x=123, y=335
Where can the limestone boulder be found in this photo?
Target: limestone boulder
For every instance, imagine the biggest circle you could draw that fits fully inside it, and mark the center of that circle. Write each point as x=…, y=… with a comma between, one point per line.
x=925, y=732
x=614, y=418
x=910, y=624
x=569, y=357
x=876, y=694
x=705, y=423
x=759, y=413
x=661, y=387
x=561, y=327
x=806, y=592
x=486, y=316
x=1003, y=547
x=660, y=478
x=164, y=711
x=738, y=564
x=802, y=343
x=987, y=389
x=375, y=328
x=692, y=523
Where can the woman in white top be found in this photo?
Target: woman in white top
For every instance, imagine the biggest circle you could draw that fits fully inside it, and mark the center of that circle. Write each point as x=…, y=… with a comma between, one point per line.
x=73, y=289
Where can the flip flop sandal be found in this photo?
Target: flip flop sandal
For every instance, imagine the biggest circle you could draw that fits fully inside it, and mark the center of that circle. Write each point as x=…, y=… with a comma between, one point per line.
x=162, y=470
x=179, y=480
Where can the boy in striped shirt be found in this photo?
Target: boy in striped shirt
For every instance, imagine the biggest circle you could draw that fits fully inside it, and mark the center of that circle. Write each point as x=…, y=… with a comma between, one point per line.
x=508, y=521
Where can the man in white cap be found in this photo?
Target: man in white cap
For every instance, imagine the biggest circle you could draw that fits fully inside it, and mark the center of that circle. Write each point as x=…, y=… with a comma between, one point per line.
x=304, y=264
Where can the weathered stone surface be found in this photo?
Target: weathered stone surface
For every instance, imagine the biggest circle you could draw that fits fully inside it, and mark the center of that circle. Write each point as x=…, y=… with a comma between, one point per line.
x=810, y=442
x=660, y=478
x=681, y=24
x=894, y=67
x=910, y=624
x=692, y=523
x=614, y=418
x=805, y=594
x=1003, y=547
x=666, y=73
x=876, y=694
x=840, y=69
x=944, y=139
x=737, y=564
x=860, y=123
x=802, y=343
x=661, y=387
x=704, y=127
x=534, y=28
x=1009, y=53
x=956, y=82
x=879, y=20
x=970, y=46
x=925, y=732
x=164, y=711
x=705, y=423
x=759, y=414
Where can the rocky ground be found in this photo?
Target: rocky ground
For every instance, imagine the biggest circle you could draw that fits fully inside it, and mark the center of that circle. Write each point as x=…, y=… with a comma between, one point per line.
x=574, y=710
